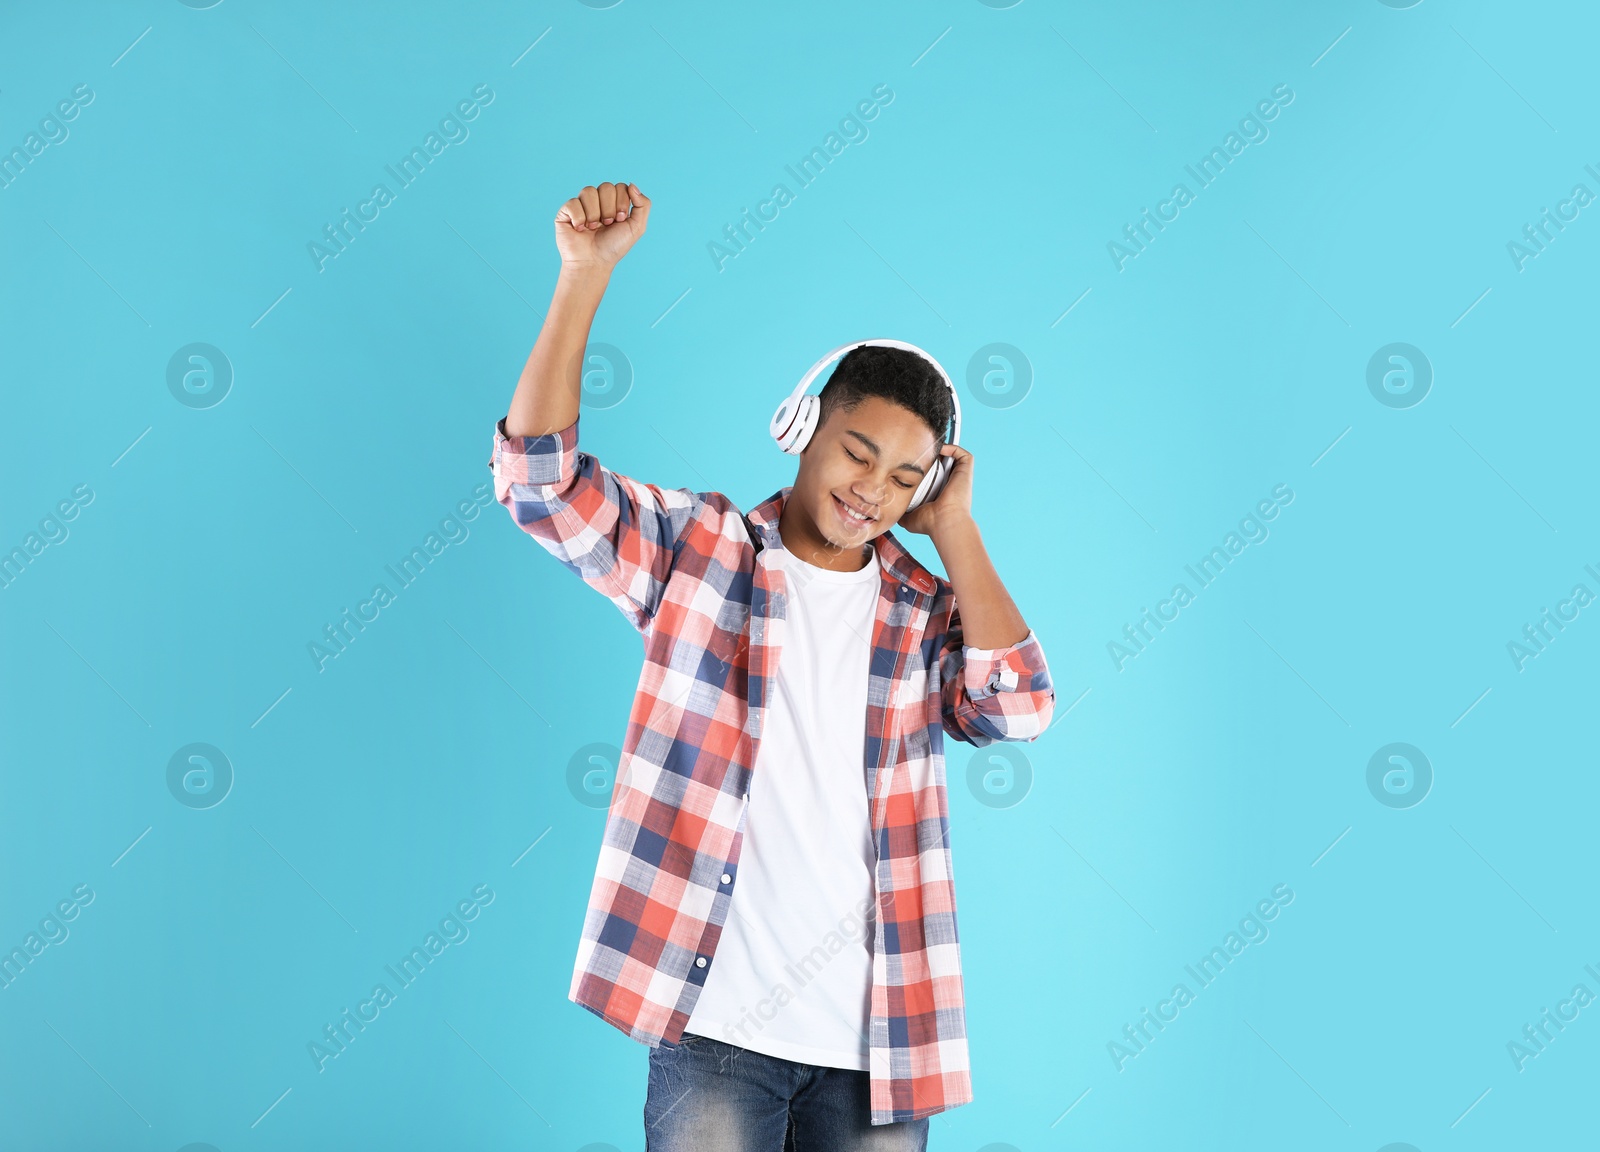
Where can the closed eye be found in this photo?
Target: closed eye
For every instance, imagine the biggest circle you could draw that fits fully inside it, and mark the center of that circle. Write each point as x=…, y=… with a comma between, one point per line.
x=858, y=460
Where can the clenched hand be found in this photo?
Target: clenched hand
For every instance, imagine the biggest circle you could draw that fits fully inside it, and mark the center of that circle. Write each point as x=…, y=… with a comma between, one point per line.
x=596, y=227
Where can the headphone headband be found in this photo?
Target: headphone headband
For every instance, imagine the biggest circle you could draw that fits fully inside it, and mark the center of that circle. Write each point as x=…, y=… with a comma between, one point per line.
x=792, y=403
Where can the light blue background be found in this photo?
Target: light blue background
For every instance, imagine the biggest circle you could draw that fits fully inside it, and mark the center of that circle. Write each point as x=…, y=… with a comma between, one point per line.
x=1167, y=798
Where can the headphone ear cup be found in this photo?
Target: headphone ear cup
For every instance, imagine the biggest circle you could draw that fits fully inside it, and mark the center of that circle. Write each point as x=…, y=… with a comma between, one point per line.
x=805, y=423
x=783, y=424
x=932, y=483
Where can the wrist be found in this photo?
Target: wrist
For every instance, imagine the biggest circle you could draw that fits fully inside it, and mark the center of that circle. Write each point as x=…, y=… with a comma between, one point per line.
x=957, y=532
x=585, y=275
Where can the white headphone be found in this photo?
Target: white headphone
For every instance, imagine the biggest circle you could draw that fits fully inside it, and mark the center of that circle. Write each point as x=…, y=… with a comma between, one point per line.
x=797, y=417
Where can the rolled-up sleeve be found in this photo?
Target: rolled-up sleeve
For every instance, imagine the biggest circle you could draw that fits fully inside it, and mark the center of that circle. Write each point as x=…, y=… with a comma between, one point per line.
x=994, y=694
x=616, y=533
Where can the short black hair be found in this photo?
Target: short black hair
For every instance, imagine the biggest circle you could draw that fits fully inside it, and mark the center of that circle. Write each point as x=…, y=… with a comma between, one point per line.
x=899, y=376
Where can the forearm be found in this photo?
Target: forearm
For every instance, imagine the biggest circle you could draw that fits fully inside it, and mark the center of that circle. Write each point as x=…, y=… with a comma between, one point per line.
x=546, y=399
x=989, y=617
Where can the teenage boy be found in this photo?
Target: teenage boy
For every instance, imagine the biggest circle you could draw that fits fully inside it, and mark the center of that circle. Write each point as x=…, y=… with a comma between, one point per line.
x=773, y=911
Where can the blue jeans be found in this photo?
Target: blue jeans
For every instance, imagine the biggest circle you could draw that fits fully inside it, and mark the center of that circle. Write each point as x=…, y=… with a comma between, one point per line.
x=707, y=1096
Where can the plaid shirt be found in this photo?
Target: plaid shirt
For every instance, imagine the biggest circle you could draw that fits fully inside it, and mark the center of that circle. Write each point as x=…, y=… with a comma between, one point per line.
x=682, y=567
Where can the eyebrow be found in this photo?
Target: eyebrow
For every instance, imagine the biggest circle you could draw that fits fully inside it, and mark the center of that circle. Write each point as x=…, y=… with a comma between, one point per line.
x=876, y=451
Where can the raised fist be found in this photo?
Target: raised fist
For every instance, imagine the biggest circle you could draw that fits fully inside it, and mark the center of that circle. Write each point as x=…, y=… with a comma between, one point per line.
x=596, y=227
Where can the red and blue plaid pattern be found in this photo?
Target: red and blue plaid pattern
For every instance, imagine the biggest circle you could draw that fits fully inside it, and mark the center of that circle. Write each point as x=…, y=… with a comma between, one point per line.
x=682, y=567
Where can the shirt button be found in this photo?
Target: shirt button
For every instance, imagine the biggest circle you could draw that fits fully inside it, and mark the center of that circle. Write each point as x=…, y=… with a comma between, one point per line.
x=726, y=879
x=700, y=962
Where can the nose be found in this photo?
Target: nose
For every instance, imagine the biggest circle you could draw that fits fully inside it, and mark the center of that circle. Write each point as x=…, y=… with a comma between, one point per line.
x=870, y=491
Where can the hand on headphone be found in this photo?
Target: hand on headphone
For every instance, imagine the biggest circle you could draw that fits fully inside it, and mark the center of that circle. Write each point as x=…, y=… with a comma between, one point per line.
x=595, y=228
x=952, y=506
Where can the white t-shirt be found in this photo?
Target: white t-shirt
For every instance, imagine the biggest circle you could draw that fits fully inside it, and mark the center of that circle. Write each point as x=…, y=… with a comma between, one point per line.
x=792, y=975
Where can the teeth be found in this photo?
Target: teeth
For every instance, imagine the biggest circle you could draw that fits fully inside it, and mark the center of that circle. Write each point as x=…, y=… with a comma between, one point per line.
x=852, y=512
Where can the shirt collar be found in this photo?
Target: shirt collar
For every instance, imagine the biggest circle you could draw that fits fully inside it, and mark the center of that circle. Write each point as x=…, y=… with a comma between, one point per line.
x=892, y=555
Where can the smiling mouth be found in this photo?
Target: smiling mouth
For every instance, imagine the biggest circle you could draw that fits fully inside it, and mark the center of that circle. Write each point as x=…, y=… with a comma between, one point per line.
x=852, y=514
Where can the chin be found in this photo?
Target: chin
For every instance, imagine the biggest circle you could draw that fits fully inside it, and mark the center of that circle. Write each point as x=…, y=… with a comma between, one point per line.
x=834, y=541
x=864, y=538
x=819, y=509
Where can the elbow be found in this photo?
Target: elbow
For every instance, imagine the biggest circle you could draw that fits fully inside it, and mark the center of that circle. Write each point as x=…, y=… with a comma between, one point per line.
x=1031, y=725
x=533, y=506
x=1027, y=722
x=528, y=514
x=1045, y=712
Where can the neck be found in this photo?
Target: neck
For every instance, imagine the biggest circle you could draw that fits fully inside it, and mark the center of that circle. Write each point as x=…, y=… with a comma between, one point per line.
x=801, y=536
